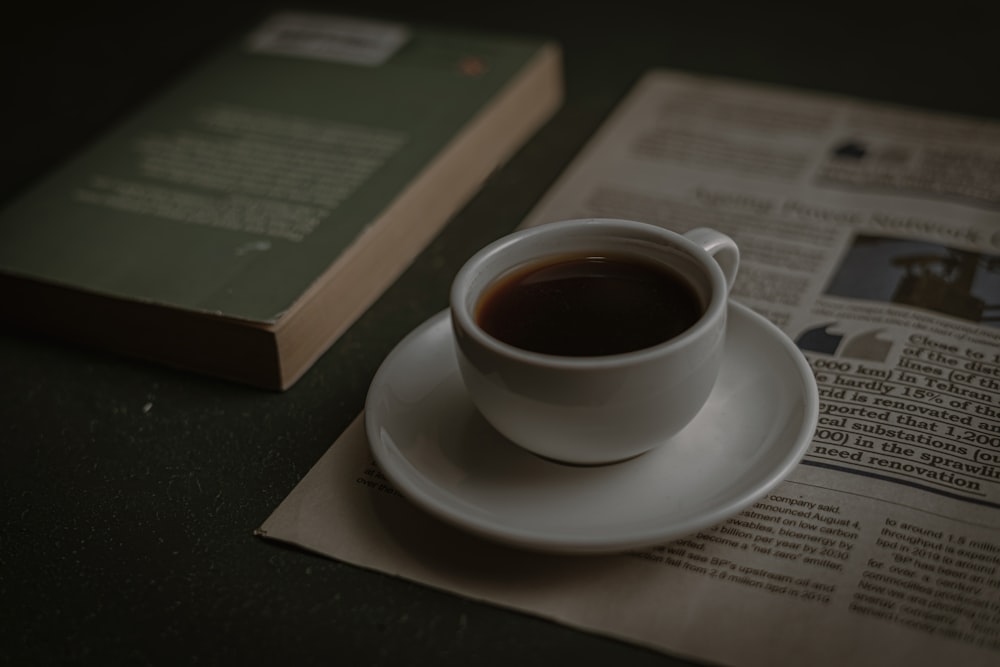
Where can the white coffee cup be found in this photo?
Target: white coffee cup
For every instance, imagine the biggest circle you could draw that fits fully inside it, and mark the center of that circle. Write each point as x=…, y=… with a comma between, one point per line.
x=605, y=408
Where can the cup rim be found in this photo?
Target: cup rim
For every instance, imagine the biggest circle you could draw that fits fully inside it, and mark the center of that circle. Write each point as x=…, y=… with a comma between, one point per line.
x=464, y=320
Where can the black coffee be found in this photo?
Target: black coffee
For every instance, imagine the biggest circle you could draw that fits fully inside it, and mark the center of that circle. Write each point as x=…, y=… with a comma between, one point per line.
x=589, y=306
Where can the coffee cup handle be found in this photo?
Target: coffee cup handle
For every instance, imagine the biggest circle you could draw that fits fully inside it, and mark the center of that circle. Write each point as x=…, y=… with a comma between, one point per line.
x=722, y=248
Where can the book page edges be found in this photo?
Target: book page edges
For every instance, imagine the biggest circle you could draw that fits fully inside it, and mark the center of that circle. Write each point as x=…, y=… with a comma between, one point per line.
x=388, y=246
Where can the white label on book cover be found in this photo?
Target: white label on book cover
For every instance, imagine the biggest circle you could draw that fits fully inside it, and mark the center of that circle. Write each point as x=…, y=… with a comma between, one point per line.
x=329, y=37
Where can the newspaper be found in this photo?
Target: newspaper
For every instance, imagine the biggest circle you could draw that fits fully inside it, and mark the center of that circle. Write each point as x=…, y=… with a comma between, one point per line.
x=870, y=235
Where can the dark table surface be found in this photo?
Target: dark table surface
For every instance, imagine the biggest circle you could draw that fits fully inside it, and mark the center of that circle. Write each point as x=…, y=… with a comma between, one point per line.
x=129, y=492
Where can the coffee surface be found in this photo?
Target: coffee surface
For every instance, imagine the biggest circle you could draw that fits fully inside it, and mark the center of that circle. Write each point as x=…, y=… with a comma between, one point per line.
x=588, y=306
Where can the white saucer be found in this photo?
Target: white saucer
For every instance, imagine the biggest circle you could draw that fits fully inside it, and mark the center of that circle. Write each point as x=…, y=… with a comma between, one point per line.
x=430, y=441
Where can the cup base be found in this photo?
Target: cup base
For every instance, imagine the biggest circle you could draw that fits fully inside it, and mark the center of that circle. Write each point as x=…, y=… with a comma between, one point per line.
x=595, y=464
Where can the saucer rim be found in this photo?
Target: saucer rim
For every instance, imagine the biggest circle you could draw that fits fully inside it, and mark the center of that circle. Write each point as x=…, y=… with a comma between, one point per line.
x=516, y=536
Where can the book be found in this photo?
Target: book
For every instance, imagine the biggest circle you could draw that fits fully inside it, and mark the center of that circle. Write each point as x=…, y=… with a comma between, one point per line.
x=238, y=223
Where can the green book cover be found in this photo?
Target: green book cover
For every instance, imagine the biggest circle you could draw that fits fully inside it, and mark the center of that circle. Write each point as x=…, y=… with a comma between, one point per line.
x=242, y=219
x=235, y=189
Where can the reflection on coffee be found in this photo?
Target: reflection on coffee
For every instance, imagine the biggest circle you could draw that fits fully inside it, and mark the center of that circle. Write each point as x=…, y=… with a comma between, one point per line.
x=588, y=306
